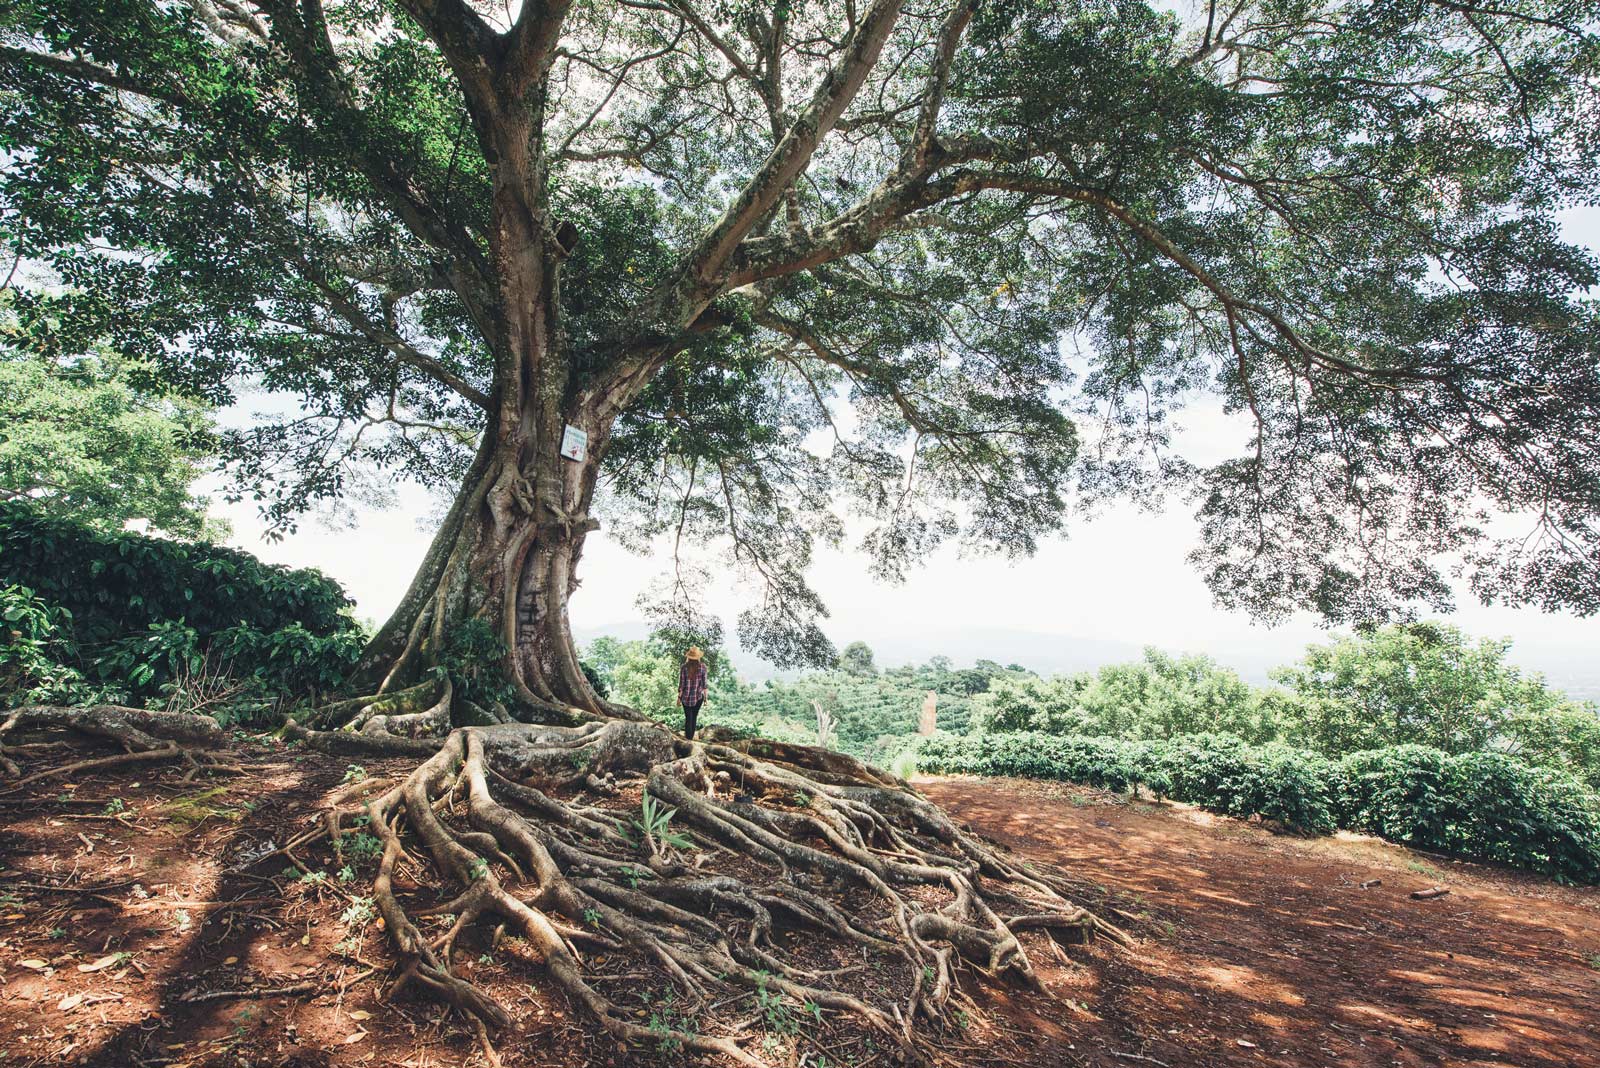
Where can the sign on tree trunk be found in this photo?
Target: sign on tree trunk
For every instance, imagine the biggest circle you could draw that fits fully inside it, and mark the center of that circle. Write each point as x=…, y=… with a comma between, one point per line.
x=574, y=443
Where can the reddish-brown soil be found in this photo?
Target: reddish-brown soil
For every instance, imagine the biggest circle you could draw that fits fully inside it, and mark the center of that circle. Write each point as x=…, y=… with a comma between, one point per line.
x=1263, y=949
x=130, y=917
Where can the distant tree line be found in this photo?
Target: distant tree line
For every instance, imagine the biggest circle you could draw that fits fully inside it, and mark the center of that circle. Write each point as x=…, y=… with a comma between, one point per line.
x=1406, y=684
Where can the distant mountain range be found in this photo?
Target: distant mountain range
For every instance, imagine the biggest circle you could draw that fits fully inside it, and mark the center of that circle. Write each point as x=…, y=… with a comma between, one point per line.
x=1577, y=673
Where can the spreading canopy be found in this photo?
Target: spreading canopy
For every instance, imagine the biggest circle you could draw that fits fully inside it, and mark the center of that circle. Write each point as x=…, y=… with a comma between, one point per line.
x=934, y=263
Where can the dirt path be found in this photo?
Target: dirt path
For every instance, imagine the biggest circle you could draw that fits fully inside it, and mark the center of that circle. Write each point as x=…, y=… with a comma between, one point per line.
x=1272, y=941
x=135, y=906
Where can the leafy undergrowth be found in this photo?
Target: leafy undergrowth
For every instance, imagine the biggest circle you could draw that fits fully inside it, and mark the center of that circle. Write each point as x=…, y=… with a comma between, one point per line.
x=1486, y=806
x=138, y=909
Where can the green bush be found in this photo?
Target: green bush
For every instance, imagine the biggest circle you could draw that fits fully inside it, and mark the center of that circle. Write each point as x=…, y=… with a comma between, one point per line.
x=119, y=584
x=1223, y=774
x=33, y=644
x=127, y=617
x=1486, y=805
x=1483, y=805
x=1216, y=772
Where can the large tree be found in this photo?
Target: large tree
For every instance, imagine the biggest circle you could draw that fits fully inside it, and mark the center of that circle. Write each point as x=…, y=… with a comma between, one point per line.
x=87, y=438
x=981, y=252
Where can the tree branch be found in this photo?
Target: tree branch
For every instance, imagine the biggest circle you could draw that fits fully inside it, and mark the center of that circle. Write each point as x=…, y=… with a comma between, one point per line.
x=955, y=24
x=698, y=277
x=530, y=46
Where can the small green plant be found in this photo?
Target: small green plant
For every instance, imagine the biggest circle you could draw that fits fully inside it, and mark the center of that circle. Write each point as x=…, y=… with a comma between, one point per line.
x=56, y=932
x=115, y=807
x=358, y=914
x=655, y=827
x=362, y=846
x=478, y=869
x=904, y=765
x=775, y=1011
x=591, y=917
x=354, y=773
x=665, y=1024
x=666, y=1041
x=1594, y=961
x=347, y=874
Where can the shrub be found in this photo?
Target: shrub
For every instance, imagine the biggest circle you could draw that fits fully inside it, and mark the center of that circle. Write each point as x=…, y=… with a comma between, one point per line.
x=1484, y=805
x=1223, y=774
x=128, y=616
x=1474, y=804
x=119, y=584
x=33, y=645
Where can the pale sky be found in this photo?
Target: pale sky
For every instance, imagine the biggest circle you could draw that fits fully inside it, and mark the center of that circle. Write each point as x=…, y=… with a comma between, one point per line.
x=1113, y=585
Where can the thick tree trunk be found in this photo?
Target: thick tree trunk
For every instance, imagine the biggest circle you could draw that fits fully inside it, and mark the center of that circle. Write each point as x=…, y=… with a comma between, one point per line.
x=507, y=556
x=508, y=551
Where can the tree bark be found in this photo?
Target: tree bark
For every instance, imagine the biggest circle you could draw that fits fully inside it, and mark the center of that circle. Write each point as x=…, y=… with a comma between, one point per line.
x=507, y=555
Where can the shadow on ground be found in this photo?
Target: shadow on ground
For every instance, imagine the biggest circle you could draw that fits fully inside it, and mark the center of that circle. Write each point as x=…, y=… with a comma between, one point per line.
x=1259, y=949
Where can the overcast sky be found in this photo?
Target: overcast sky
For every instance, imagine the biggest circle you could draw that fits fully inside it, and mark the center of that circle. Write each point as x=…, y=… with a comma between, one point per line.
x=1112, y=585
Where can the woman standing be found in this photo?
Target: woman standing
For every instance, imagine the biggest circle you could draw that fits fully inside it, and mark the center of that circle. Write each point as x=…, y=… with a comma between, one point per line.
x=692, y=688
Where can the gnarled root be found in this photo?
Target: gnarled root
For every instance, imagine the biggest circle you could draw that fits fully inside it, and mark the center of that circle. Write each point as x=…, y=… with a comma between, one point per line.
x=144, y=736
x=787, y=838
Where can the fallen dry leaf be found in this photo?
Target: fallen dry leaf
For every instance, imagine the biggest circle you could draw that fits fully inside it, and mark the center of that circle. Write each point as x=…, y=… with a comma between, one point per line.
x=103, y=963
x=360, y=1014
x=357, y=1037
x=231, y=960
x=35, y=963
x=70, y=1002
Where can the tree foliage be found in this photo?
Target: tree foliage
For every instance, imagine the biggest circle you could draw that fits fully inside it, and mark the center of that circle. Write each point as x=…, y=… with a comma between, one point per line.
x=779, y=225
x=1157, y=697
x=1418, y=684
x=1423, y=684
x=99, y=440
x=856, y=659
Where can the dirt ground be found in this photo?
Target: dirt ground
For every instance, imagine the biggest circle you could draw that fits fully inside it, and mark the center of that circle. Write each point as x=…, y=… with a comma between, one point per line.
x=1267, y=949
x=141, y=924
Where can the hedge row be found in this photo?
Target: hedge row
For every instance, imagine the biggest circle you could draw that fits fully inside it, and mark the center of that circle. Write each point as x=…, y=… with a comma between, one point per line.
x=120, y=616
x=1484, y=805
x=116, y=584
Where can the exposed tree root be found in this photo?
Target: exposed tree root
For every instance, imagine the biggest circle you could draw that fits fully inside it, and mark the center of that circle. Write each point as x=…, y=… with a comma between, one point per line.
x=146, y=737
x=542, y=832
x=788, y=837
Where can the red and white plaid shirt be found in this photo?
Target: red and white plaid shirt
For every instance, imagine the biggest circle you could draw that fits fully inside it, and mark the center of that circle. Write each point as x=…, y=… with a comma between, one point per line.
x=692, y=682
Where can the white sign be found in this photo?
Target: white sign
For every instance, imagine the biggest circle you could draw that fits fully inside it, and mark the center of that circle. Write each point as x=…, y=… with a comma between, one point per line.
x=574, y=443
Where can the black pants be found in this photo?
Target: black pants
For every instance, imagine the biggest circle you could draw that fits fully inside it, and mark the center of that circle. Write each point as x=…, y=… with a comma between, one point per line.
x=690, y=714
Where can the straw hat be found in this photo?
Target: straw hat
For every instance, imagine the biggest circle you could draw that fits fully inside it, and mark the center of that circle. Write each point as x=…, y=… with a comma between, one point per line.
x=693, y=653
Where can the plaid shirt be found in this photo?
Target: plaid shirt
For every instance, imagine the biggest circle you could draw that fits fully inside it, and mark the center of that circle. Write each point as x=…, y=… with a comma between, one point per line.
x=692, y=682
